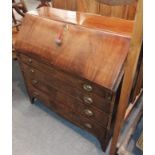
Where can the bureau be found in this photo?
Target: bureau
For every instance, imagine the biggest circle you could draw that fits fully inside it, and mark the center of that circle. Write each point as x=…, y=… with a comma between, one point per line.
x=74, y=63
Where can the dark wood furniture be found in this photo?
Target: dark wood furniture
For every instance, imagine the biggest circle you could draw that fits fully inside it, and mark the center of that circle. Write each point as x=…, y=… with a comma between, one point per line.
x=74, y=63
x=132, y=82
x=122, y=9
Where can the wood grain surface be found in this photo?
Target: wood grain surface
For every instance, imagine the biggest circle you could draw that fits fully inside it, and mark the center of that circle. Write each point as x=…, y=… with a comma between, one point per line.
x=66, y=85
x=95, y=55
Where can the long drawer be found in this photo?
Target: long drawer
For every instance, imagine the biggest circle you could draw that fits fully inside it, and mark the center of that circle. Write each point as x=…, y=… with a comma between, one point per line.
x=83, y=110
x=64, y=85
x=67, y=112
x=82, y=85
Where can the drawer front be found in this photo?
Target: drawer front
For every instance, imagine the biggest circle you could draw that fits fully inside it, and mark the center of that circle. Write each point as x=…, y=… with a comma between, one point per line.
x=72, y=103
x=83, y=85
x=67, y=112
x=54, y=81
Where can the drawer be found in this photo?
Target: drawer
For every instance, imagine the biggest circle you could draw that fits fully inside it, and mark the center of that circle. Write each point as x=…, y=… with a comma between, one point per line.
x=49, y=100
x=67, y=112
x=36, y=94
x=82, y=85
x=67, y=100
x=90, y=99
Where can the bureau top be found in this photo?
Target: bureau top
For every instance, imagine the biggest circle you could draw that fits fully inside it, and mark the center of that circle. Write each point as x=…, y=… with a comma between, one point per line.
x=116, y=25
x=86, y=47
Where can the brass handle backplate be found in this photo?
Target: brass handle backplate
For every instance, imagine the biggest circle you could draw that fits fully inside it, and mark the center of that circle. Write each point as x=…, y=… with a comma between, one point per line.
x=87, y=87
x=88, y=112
x=88, y=100
x=88, y=125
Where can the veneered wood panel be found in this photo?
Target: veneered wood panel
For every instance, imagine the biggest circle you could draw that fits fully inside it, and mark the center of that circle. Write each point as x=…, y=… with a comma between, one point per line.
x=67, y=84
x=66, y=111
x=108, y=52
x=64, y=78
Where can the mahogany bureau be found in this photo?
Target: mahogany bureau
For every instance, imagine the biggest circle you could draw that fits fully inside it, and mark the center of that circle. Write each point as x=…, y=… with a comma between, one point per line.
x=74, y=63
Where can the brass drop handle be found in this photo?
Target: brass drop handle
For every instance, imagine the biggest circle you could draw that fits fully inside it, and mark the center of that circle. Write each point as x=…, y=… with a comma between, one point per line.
x=88, y=100
x=30, y=60
x=88, y=125
x=34, y=82
x=88, y=112
x=87, y=87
